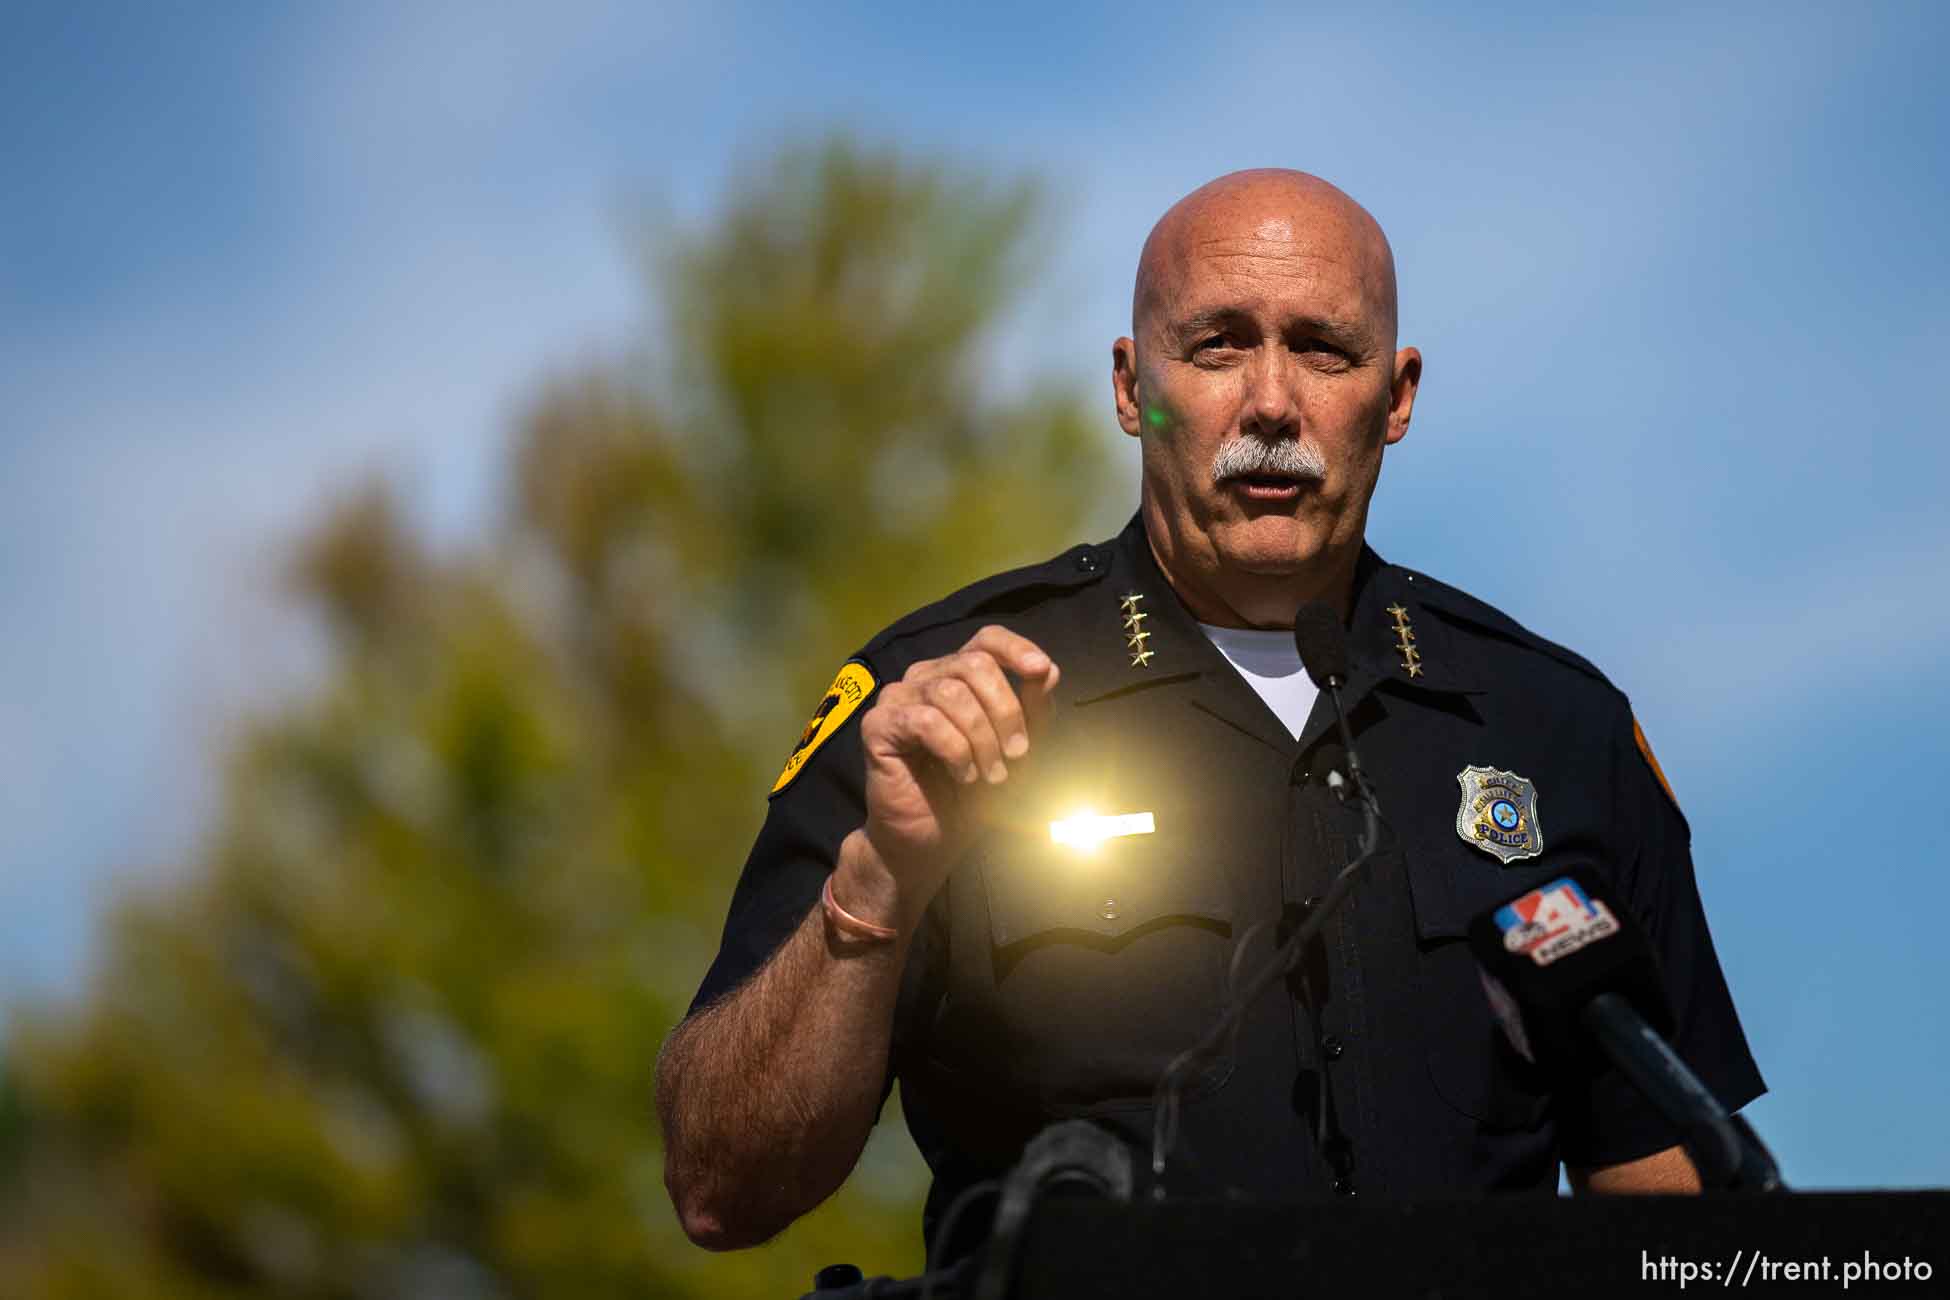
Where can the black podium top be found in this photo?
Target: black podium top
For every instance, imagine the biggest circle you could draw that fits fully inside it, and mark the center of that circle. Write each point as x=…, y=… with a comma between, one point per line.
x=1806, y=1244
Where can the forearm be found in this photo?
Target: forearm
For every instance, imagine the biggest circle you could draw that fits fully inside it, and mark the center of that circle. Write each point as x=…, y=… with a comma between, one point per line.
x=1669, y=1173
x=768, y=1097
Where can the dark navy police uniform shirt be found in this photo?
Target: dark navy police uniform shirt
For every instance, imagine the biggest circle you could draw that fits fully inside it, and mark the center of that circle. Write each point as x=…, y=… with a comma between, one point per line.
x=1048, y=983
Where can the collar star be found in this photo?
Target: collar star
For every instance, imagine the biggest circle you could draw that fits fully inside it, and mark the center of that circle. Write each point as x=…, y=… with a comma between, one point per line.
x=1134, y=634
x=1405, y=641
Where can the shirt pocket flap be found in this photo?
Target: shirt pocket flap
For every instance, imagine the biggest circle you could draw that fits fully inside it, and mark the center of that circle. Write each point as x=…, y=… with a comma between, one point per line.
x=1118, y=889
x=1451, y=885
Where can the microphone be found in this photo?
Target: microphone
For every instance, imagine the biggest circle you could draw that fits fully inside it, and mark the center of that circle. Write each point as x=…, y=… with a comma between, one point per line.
x=1329, y=762
x=1075, y=1156
x=1574, y=984
x=1322, y=643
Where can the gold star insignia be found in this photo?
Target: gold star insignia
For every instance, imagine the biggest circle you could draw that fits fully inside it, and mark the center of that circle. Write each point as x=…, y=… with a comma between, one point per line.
x=1405, y=641
x=1134, y=634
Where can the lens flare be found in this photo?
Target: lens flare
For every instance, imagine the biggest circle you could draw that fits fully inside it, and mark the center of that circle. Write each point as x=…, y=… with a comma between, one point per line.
x=1085, y=830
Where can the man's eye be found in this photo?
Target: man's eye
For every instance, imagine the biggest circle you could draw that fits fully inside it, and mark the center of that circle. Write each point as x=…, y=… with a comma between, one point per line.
x=1215, y=341
x=1324, y=355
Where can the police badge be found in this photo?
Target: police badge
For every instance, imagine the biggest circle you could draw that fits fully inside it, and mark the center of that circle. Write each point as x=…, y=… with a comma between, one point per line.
x=1498, y=814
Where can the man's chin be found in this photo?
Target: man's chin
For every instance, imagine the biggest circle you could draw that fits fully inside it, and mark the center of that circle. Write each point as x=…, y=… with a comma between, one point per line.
x=1268, y=546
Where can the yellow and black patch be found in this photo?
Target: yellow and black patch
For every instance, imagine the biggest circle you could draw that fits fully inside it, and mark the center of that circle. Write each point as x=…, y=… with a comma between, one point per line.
x=847, y=693
x=1645, y=748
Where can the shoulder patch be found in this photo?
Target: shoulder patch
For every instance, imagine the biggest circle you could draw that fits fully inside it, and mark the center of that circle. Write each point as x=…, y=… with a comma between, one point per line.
x=1645, y=748
x=847, y=693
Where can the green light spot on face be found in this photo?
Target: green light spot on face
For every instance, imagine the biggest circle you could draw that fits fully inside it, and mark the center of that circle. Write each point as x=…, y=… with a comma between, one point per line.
x=1154, y=417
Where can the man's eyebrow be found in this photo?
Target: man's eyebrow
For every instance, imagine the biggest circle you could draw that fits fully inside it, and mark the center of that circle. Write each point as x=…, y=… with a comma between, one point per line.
x=1200, y=321
x=1338, y=329
x=1353, y=331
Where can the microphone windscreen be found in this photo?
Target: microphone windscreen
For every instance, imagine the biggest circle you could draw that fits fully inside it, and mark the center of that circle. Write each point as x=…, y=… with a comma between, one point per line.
x=1322, y=642
x=1561, y=944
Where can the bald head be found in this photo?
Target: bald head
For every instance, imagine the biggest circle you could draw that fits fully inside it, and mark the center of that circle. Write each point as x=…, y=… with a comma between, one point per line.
x=1264, y=383
x=1231, y=222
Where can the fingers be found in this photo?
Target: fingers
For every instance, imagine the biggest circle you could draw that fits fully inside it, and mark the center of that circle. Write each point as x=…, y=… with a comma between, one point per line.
x=943, y=695
x=970, y=689
x=1024, y=658
x=906, y=723
x=1012, y=650
x=1035, y=696
x=981, y=719
x=980, y=663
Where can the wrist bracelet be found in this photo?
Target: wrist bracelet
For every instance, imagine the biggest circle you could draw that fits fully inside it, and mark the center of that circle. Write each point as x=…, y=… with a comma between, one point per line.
x=848, y=924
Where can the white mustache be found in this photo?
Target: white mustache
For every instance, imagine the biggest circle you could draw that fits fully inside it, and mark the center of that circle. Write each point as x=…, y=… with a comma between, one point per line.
x=1292, y=457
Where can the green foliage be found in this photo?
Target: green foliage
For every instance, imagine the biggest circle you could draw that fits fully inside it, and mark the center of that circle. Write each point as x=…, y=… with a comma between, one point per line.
x=394, y=1032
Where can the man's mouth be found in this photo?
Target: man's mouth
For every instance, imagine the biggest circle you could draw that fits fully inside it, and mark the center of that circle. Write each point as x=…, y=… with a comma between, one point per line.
x=1267, y=487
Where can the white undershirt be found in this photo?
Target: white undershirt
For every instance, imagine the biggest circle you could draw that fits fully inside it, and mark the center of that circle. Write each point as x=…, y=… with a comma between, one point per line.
x=1270, y=663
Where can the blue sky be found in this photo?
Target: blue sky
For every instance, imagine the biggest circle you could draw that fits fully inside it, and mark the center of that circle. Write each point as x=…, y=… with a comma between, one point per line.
x=1679, y=274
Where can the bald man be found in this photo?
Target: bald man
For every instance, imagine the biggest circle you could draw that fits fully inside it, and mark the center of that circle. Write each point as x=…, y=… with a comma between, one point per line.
x=1033, y=827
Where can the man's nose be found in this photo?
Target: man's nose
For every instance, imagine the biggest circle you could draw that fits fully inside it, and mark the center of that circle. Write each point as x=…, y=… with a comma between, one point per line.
x=1270, y=410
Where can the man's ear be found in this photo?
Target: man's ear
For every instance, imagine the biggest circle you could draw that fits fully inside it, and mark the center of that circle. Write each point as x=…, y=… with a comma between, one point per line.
x=1124, y=386
x=1401, y=397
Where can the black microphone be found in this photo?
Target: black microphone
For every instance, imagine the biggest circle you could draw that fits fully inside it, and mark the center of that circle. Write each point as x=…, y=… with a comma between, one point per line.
x=1322, y=643
x=1328, y=764
x=1574, y=983
x=1073, y=1156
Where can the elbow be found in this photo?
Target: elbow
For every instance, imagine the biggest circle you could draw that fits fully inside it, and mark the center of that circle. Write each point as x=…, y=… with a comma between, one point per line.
x=722, y=1202
x=713, y=1229
x=706, y=1228
x=712, y=1222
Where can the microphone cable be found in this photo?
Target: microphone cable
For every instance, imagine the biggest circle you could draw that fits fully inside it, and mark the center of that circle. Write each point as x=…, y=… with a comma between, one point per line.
x=1322, y=644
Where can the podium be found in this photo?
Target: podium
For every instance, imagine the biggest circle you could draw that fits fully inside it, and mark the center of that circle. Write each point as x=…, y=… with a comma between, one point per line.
x=1497, y=1247
x=1804, y=1244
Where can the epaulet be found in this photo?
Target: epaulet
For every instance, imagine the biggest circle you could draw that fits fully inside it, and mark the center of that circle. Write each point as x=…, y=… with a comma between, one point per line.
x=1003, y=593
x=1485, y=618
x=1488, y=620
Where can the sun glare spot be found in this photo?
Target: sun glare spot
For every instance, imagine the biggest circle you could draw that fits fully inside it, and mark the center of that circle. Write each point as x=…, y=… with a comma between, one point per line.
x=1085, y=831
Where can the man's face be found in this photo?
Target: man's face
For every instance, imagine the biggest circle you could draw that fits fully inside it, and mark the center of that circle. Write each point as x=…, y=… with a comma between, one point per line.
x=1264, y=384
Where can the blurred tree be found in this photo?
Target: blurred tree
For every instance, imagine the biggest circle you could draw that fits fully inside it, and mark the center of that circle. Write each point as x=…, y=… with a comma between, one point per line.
x=393, y=1035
